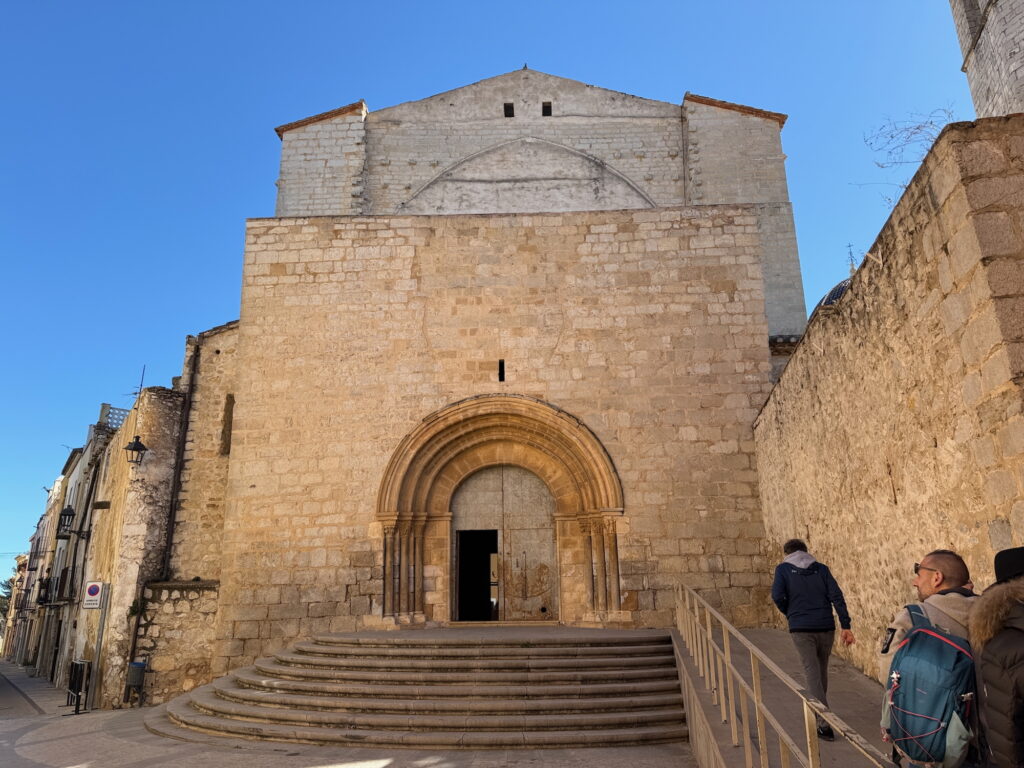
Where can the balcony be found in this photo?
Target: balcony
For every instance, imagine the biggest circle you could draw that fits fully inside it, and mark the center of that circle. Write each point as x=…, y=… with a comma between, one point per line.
x=45, y=594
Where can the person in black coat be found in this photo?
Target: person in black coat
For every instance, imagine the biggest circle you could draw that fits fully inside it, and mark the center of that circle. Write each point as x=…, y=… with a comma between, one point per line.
x=997, y=639
x=806, y=592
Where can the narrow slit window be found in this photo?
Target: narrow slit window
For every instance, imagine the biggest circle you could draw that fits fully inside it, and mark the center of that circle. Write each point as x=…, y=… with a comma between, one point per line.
x=225, y=429
x=501, y=370
x=510, y=109
x=545, y=109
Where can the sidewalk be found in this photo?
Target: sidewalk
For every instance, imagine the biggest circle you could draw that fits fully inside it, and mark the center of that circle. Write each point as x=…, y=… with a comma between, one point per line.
x=36, y=695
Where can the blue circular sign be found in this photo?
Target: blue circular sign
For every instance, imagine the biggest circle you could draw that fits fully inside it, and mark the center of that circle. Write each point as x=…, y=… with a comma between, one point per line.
x=92, y=590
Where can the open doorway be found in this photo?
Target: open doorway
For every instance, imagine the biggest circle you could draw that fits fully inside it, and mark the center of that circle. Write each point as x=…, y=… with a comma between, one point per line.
x=477, y=575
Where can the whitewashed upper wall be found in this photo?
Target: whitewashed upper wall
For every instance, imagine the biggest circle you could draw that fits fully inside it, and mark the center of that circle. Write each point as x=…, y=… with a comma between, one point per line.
x=991, y=36
x=458, y=152
x=736, y=156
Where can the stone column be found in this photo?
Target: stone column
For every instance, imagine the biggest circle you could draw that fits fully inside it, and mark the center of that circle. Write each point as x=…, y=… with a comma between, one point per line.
x=611, y=554
x=418, y=572
x=588, y=561
x=405, y=553
x=600, y=572
x=389, y=570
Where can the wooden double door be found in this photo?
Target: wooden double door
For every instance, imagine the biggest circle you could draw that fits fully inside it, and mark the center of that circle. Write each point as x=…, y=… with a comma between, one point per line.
x=504, y=553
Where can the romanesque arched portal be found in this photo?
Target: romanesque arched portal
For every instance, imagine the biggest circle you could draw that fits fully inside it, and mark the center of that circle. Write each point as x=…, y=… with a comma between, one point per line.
x=446, y=448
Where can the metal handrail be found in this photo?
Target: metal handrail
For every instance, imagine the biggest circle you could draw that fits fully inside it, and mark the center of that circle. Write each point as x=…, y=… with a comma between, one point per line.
x=730, y=690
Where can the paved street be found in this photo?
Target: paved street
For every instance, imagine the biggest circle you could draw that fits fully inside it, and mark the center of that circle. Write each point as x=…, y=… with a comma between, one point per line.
x=13, y=703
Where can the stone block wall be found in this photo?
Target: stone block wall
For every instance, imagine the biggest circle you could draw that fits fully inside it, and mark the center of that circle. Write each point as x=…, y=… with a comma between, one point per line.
x=457, y=153
x=897, y=426
x=734, y=155
x=128, y=537
x=646, y=325
x=409, y=144
x=175, y=636
x=991, y=36
x=322, y=165
x=199, y=519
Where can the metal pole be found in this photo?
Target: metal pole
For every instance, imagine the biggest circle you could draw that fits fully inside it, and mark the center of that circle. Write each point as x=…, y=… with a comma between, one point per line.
x=95, y=672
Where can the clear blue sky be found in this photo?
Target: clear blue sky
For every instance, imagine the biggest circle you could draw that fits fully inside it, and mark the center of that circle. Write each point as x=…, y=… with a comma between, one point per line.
x=137, y=137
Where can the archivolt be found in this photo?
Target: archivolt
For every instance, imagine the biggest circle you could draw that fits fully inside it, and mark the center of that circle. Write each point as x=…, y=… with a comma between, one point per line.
x=491, y=430
x=531, y=140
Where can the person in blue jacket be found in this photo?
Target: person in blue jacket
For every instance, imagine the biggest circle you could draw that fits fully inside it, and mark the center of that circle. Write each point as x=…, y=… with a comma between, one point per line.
x=806, y=592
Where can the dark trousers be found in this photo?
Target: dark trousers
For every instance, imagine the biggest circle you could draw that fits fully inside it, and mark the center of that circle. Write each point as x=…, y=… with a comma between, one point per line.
x=814, y=648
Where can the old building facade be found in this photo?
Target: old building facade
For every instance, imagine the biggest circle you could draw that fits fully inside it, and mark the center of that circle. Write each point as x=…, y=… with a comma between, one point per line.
x=498, y=358
x=509, y=353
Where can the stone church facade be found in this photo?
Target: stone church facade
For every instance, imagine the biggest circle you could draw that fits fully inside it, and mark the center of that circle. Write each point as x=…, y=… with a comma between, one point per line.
x=515, y=353
x=499, y=356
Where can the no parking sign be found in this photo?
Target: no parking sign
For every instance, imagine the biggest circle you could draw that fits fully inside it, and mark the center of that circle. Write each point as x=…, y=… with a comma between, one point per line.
x=93, y=594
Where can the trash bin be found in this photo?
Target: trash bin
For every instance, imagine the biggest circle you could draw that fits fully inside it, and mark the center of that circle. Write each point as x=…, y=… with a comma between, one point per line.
x=136, y=674
x=134, y=680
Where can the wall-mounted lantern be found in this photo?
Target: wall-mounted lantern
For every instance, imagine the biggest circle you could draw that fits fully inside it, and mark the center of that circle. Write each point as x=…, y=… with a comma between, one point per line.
x=136, y=450
x=64, y=521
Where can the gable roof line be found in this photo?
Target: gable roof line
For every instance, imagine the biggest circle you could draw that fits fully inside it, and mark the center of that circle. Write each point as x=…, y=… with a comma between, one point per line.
x=533, y=71
x=742, y=108
x=348, y=109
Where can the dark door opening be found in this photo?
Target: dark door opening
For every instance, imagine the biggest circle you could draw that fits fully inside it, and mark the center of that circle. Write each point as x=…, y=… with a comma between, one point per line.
x=476, y=554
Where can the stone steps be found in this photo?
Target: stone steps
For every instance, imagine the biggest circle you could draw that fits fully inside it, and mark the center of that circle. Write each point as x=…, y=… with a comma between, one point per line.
x=292, y=671
x=250, y=677
x=232, y=689
x=434, y=651
x=489, y=664
x=482, y=688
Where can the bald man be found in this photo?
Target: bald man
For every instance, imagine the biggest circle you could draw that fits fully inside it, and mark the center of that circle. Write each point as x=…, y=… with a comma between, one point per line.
x=942, y=581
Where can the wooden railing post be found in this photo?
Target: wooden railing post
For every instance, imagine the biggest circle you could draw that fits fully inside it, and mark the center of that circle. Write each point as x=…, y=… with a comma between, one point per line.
x=755, y=676
x=729, y=710
x=711, y=660
x=811, y=727
x=748, y=751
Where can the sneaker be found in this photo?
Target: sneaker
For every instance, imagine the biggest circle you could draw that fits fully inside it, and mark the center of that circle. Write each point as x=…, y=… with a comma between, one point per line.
x=825, y=733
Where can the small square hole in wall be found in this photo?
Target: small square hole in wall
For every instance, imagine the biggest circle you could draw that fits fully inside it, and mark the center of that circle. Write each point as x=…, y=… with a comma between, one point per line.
x=545, y=109
x=510, y=109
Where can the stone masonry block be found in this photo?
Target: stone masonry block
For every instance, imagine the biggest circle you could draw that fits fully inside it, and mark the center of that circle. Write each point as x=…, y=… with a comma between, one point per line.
x=979, y=158
x=1001, y=192
x=1005, y=276
x=996, y=234
x=1010, y=313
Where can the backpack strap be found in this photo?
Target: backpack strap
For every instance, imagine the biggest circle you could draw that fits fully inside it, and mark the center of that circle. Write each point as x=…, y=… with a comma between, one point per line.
x=918, y=616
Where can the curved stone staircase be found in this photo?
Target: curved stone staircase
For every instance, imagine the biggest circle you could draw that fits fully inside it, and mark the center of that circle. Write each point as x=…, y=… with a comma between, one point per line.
x=501, y=687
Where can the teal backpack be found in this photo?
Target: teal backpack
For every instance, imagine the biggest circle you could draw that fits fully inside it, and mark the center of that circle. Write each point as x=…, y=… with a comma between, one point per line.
x=930, y=697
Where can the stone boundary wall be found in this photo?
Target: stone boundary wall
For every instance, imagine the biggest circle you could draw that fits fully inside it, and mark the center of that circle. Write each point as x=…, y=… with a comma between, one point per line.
x=176, y=635
x=896, y=427
x=199, y=518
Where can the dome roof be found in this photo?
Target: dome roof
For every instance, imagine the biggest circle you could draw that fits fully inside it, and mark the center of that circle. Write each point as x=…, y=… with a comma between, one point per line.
x=832, y=296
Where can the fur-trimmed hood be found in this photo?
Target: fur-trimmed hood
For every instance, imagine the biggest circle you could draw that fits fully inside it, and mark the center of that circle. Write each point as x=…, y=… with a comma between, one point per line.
x=999, y=606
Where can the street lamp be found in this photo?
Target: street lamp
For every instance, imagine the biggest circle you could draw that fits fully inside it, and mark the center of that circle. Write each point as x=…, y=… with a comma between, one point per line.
x=136, y=450
x=64, y=520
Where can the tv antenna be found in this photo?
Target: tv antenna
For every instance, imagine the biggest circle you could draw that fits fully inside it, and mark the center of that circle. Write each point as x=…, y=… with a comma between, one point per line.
x=138, y=391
